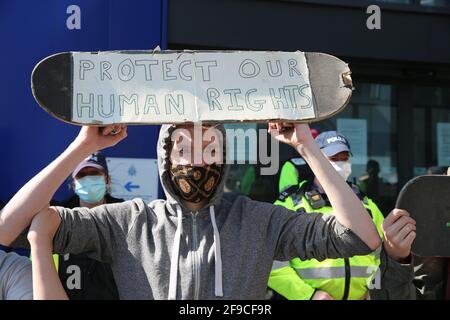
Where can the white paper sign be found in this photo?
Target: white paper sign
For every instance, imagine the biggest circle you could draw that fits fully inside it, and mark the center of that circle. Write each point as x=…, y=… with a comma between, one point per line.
x=133, y=178
x=443, y=143
x=111, y=87
x=355, y=130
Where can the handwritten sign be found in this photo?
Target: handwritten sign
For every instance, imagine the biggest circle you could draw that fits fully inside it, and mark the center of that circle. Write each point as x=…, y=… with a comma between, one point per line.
x=110, y=87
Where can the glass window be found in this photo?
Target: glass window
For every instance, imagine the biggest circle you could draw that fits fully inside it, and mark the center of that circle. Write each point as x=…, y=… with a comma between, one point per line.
x=431, y=3
x=435, y=3
x=369, y=123
x=397, y=1
x=245, y=177
x=431, y=129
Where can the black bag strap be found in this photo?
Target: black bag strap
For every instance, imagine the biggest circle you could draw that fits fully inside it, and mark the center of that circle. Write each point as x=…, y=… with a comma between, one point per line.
x=287, y=192
x=294, y=189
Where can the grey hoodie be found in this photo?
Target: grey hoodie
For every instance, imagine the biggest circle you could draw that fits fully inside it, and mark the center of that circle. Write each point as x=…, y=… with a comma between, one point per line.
x=162, y=250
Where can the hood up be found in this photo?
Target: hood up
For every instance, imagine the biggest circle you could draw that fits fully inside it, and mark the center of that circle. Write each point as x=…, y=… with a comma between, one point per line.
x=163, y=153
x=175, y=206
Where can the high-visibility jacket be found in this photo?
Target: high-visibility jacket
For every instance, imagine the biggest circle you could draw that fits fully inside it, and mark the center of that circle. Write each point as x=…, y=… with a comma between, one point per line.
x=348, y=278
x=289, y=175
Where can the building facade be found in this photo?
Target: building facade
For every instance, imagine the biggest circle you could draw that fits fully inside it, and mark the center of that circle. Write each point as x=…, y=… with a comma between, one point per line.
x=399, y=114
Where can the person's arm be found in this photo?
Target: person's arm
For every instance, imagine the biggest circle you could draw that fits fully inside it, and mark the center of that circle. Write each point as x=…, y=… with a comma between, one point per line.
x=309, y=235
x=95, y=231
x=347, y=208
x=46, y=282
x=399, y=231
x=99, y=232
x=37, y=193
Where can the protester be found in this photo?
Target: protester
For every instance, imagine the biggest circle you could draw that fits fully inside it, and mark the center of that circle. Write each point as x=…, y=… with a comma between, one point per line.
x=349, y=278
x=15, y=274
x=172, y=248
x=84, y=278
x=16, y=281
x=15, y=277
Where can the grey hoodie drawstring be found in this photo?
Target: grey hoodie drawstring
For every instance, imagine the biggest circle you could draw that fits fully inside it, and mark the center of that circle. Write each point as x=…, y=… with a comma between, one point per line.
x=173, y=280
x=217, y=255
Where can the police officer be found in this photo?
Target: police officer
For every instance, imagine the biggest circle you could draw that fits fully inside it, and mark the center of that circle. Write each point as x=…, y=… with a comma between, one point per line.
x=349, y=278
x=84, y=278
x=294, y=168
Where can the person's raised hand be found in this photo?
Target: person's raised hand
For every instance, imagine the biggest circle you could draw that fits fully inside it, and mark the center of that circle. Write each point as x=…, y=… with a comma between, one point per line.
x=291, y=133
x=399, y=231
x=98, y=138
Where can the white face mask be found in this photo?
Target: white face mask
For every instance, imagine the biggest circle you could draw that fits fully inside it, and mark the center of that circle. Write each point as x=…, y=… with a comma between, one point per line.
x=344, y=168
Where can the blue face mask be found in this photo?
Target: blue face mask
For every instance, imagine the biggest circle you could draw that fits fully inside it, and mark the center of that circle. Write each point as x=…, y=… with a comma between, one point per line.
x=90, y=189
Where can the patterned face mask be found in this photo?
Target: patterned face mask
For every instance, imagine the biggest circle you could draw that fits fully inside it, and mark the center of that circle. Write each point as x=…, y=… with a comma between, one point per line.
x=195, y=184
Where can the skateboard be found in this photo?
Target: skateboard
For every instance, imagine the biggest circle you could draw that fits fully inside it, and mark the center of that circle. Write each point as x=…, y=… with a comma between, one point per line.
x=156, y=87
x=427, y=199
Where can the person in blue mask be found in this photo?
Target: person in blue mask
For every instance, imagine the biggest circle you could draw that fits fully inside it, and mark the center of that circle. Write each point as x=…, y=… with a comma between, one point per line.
x=84, y=278
x=91, y=182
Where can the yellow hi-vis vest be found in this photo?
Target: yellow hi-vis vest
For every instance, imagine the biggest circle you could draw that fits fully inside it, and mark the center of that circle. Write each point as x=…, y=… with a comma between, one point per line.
x=348, y=278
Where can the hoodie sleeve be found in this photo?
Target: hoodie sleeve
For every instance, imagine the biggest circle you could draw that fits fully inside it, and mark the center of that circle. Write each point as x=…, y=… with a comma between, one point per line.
x=430, y=277
x=396, y=280
x=95, y=231
x=312, y=235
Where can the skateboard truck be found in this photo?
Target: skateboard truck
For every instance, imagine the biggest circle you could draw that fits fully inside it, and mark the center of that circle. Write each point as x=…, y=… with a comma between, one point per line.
x=347, y=79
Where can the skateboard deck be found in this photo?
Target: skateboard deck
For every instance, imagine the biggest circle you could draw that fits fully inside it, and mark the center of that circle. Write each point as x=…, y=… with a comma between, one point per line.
x=156, y=87
x=427, y=199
